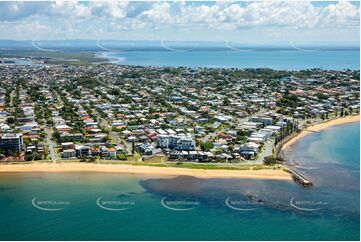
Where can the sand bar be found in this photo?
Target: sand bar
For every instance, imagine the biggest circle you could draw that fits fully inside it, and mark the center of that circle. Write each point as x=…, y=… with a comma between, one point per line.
x=264, y=174
x=321, y=126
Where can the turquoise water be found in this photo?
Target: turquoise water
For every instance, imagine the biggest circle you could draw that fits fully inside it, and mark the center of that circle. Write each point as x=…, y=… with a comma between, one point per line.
x=288, y=60
x=336, y=150
x=186, y=208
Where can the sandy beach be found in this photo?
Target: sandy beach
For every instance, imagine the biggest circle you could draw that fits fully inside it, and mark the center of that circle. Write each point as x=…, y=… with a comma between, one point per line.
x=148, y=170
x=320, y=126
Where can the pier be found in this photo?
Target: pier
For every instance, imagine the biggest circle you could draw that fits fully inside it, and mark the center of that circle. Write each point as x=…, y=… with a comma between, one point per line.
x=299, y=178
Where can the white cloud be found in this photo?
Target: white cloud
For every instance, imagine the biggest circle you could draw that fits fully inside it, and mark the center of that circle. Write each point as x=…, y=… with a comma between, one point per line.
x=111, y=9
x=159, y=13
x=293, y=14
x=112, y=17
x=342, y=14
x=262, y=13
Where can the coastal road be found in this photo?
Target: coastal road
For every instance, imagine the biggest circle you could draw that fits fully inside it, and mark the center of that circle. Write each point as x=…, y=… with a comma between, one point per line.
x=50, y=144
x=267, y=151
x=129, y=147
x=115, y=137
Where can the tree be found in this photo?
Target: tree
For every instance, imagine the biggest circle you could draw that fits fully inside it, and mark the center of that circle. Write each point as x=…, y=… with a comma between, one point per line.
x=206, y=146
x=10, y=120
x=133, y=147
x=37, y=156
x=269, y=160
x=27, y=141
x=226, y=101
x=56, y=135
x=28, y=157
x=45, y=152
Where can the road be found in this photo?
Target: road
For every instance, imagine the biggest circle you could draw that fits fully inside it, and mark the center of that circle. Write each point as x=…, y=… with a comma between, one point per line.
x=128, y=145
x=12, y=94
x=50, y=144
x=267, y=151
x=115, y=137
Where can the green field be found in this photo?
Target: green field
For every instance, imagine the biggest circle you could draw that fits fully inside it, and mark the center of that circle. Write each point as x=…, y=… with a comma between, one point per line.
x=58, y=57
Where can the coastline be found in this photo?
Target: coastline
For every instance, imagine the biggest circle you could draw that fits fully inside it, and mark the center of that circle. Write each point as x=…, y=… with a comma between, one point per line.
x=146, y=170
x=318, y=127
x=109, y=59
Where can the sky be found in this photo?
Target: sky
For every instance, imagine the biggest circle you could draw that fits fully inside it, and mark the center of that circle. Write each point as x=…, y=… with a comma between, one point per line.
x=260, y=22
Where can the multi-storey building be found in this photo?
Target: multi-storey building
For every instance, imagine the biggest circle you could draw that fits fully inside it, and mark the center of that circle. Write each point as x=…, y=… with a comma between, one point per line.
x=11, y=142
x=175, y=142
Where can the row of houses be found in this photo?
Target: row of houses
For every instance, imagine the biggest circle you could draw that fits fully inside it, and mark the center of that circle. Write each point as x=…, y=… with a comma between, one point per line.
x=71, y=150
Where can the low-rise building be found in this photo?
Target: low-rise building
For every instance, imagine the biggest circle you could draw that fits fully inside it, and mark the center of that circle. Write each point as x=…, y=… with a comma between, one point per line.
x=66, y=154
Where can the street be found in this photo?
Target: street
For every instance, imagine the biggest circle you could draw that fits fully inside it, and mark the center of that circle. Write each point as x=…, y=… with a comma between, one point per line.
x=50, y=144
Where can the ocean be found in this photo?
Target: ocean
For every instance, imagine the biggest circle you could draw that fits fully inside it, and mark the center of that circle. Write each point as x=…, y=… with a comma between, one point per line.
x=277, y=59
x=96, y=206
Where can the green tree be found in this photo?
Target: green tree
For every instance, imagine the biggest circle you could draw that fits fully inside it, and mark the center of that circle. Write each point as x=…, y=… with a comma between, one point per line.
x=10, y=120
x=269, y=160
x=206, y=145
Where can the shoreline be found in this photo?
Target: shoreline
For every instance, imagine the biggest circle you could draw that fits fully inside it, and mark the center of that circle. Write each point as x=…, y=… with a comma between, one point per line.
x=109, y=59
x=146, y=170
x=318, y=127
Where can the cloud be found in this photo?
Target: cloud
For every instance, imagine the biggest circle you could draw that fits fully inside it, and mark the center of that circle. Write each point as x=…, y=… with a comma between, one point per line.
x=342, y=14
x=159, y=13
x=295, y=14
x=11, y=11
x=116, y=10
x=79, y=18
x=261, y=13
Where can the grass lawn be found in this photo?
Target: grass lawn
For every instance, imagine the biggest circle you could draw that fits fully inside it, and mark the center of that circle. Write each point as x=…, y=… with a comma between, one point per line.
x=211, y=166
x=156, y=159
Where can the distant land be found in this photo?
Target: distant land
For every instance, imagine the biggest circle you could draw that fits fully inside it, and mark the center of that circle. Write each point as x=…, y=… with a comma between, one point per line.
x=222, y=54
x=163, y=45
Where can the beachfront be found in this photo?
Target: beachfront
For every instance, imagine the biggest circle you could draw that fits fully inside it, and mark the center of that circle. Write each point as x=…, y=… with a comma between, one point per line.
x=318, y=127
x=265, y=174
